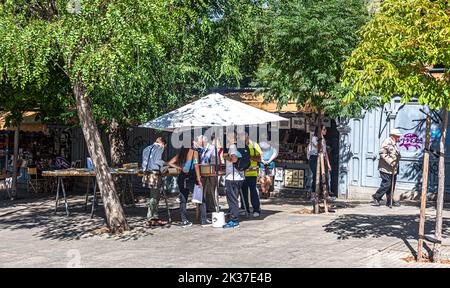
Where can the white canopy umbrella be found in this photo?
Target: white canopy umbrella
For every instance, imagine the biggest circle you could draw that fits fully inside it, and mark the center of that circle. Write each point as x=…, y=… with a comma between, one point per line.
x=211, y=111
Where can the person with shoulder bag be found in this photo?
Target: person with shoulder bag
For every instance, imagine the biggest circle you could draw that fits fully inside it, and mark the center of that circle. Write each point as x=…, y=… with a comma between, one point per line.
x=237, y=161
x=152, y=166
x=250, y=181
x=188, y=178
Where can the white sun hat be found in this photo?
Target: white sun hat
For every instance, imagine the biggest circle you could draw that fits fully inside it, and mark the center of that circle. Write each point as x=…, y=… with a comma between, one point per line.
x=395, y=132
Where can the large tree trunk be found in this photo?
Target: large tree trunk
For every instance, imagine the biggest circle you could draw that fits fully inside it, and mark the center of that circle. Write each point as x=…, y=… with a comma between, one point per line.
x=118, y=150
x=441, y=190
x=117, y=139
x=15, y=161
x=115, y=215
x=423, y=200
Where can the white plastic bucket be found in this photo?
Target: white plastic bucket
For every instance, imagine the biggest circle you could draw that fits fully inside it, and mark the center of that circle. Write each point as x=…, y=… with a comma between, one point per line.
x=218, y=219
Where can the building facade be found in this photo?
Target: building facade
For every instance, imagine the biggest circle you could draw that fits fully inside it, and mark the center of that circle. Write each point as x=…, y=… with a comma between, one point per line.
x=359, y=143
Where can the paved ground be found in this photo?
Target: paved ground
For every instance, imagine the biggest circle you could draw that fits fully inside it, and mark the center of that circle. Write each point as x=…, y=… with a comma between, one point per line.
x=357, y=235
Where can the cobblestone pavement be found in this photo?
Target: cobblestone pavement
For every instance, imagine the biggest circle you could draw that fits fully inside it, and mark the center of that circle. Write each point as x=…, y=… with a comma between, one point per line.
x=356, y=235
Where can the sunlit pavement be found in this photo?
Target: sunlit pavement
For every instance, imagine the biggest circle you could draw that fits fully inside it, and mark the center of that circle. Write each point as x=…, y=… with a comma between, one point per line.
x=355, y=235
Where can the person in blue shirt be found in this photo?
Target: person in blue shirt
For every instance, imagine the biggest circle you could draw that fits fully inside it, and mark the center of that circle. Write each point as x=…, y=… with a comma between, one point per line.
x=153, y=165
x=267, y=167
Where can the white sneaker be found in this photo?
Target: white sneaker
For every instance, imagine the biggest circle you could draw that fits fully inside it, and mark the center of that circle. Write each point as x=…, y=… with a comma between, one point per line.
x=242, y=213
x=256, y=214
x=186, y=224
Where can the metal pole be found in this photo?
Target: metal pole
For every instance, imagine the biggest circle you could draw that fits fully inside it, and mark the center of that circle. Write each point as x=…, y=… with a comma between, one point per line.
x=163, y=191
x=57, y=193
x=94, y=197
x=65, y=197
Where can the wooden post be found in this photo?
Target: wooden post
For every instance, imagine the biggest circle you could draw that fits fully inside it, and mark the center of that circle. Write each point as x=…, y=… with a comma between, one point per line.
x=15, y=161
x=324, y=181
x=441, y=190
x=315, y=195
x=6, y=153
x=423, y=198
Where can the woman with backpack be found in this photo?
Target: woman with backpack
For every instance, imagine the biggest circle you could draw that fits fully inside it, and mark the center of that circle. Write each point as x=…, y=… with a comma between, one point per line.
x=188, y=160
x=234, y=177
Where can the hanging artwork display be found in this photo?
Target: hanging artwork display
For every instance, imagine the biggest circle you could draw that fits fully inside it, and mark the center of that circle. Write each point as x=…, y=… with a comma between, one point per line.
x=298, y=123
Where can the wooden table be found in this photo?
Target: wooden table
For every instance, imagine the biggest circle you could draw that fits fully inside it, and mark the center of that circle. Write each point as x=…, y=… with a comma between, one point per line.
x=80, y=172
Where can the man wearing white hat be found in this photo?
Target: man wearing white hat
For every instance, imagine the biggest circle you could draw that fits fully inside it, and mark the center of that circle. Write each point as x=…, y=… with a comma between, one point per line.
x=388, y=166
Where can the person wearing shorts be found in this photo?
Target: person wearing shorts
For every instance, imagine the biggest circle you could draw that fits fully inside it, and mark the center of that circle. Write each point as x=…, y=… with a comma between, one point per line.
x=267, y=167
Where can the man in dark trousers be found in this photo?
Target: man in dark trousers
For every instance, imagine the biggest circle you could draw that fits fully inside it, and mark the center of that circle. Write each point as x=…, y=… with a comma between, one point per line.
x=388, y=165
x=152, y=165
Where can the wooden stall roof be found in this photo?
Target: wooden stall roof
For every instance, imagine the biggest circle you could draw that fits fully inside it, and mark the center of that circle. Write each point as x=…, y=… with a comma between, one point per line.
x=257, y=101
x=29, y=124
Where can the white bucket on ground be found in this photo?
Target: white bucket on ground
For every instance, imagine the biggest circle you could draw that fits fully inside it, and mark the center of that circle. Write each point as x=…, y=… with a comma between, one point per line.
x=218, y=219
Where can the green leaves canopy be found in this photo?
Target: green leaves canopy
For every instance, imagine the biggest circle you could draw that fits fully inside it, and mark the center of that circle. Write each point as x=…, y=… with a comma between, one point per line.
x=399, y=45
x=137, y=59
x=306, y=43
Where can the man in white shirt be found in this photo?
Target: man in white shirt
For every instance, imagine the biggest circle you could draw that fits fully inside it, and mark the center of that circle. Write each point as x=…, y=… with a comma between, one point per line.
x=233, y=182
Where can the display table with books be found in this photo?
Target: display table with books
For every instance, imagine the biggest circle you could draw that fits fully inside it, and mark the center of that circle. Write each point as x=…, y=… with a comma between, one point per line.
x=84, y=172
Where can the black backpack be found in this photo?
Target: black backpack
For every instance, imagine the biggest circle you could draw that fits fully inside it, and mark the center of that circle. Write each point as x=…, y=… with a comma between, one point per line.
x=243, y=162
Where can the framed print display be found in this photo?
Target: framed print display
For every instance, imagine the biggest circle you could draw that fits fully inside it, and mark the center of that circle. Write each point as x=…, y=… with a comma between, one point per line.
x=298, y=123
x=285, y=124
x=294, y=178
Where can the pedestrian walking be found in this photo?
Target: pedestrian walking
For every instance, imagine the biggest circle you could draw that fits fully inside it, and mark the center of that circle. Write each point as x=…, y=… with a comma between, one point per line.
x=388, y=165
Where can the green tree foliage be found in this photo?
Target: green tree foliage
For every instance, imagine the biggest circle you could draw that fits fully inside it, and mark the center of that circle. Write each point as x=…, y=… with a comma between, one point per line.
x=48, y=101
x=306, y=42
x=208, y=44
x=91, y=42
x=122, y=59
x=398, y=47
x=186, y=48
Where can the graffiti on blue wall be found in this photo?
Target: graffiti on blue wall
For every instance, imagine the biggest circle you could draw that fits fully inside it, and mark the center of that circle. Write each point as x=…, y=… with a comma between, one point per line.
x=411, y=140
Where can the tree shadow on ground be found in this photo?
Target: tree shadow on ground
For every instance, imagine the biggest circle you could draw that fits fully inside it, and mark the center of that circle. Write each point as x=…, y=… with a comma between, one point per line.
x=403, y=227
x=47, y=225
x=78, y=225
x=338, y=204
x=415, y=203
